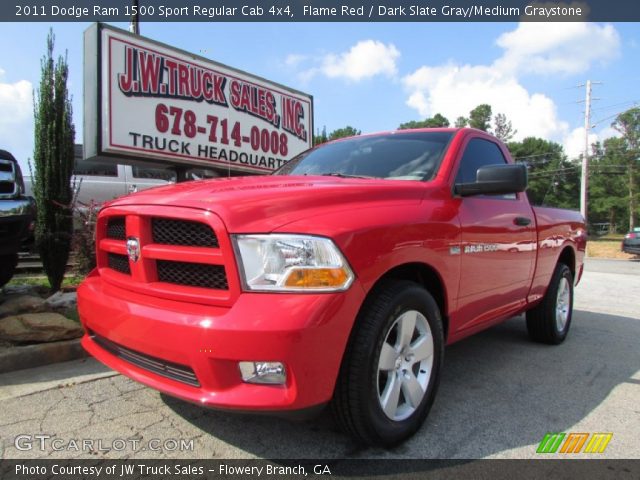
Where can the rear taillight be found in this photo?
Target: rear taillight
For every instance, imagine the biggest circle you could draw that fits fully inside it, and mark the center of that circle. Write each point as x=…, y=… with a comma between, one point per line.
x=631, y=235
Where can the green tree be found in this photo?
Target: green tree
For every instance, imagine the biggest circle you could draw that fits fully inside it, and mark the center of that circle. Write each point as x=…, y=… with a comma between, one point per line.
x=320, y=137
x=607, y=183
x=480, y=117
x=553, y=180
x=503, y=129
x=53, y=165
x=628, y=124
x=461, y=122
x=347, y=131
x=411, y=124
x=438, y=120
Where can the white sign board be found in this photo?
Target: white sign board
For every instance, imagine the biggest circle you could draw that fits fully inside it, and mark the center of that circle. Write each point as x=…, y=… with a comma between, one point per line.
x=160, y=104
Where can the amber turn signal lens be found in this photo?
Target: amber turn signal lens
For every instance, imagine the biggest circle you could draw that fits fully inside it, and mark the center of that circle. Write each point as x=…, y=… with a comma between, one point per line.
x=316, y=278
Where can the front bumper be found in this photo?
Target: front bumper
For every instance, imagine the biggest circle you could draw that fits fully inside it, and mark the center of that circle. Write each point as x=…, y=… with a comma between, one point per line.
x=307, y=332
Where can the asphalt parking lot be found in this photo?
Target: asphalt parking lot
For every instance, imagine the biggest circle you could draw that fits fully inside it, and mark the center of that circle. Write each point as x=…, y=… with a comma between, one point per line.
x=499, y=395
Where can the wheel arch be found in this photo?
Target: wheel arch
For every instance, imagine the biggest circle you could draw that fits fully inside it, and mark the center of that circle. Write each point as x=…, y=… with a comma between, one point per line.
x=424, y=275
x=568, y=257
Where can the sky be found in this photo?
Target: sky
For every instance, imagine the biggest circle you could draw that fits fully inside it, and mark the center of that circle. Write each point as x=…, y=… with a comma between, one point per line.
x=374, y=76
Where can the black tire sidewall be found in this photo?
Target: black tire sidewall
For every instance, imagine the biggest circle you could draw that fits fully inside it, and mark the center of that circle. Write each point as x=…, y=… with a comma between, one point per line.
x=413, y=297
x=562, y=272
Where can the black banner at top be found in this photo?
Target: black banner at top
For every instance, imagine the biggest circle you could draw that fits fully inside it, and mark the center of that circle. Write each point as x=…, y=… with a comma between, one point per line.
x=320, y=11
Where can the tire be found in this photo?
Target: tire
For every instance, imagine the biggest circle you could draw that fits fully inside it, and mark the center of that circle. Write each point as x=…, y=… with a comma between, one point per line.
x=550, y=320
x=391, y=369
x=8, y=265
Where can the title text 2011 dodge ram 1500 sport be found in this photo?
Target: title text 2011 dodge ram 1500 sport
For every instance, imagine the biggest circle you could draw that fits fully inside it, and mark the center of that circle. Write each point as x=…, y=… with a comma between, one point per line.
x=338, y=279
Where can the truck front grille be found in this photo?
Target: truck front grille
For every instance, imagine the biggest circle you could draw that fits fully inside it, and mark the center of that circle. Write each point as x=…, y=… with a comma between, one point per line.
x=8, y=185
x=174, y=371
x=182, y=254
x=115, y=228
x=183, y=232
x=119, y=263
x=192, y=274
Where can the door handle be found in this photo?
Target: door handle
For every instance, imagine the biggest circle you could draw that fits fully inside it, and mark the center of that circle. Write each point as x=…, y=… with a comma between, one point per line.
x=522, y=221
x=133, y=188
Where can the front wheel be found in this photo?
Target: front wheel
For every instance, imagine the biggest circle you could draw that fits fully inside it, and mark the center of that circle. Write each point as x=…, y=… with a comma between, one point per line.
x=549, y=321
x=390, y=373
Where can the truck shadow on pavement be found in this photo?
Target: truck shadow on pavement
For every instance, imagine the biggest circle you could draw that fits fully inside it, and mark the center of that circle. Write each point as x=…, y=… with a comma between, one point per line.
x=498, y=392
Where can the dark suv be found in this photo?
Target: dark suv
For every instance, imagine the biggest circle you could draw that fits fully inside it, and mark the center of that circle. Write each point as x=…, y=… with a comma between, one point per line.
x=16, y=215
x=631, y=242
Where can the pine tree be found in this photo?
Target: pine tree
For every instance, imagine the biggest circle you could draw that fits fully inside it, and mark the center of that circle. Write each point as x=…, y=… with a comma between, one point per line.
x=344, y=132
x=461, y=122
x=503, y=129
x=438, y=120
x=53, y=165
x=480, y=117
x=628, y=124
x=320, y=137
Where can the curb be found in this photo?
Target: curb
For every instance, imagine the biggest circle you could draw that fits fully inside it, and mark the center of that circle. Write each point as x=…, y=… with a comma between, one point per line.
x=19, y=358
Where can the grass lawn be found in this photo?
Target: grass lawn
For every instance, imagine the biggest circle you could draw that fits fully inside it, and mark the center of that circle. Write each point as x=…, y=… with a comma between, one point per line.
x=607, y=246
x=42, y=282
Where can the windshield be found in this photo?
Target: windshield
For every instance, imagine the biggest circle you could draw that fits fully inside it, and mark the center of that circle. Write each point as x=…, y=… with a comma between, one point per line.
x=393, y=156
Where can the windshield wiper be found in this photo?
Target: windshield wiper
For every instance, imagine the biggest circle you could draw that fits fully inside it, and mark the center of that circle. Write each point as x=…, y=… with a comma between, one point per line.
x=344, y=175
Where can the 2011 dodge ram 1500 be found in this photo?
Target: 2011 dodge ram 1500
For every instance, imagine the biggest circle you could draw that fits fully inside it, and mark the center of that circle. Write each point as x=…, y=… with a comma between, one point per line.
x=339, y=279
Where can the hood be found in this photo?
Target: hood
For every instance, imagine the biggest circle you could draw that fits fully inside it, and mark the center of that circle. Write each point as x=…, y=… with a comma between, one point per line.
x=264, y=203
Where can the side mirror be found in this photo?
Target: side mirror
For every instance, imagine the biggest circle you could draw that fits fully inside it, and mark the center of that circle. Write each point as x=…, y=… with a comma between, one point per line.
x=495, y=180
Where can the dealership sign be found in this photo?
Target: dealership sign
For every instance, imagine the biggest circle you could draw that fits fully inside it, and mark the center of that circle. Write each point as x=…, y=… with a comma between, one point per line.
x=146, y=101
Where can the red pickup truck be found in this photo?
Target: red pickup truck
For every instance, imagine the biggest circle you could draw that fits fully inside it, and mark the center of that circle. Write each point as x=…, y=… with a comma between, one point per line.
x=339, y=279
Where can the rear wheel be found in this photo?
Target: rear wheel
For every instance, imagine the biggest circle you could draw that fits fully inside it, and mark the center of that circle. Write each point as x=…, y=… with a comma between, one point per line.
x=550, y=320
x=390, y=373
x=8, y=265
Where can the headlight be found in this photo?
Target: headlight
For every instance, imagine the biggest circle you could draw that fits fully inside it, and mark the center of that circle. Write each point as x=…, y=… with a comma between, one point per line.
x=291, y=263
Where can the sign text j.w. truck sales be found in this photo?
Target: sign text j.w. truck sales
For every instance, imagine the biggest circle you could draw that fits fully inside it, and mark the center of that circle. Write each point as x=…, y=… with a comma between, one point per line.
x=161, y=104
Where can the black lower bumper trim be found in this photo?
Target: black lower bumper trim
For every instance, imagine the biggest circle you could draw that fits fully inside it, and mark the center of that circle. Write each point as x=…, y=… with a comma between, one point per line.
x=174, y=371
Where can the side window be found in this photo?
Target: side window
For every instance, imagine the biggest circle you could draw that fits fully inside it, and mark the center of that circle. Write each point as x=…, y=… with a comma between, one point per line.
x=153, y=173
x=478, y=153
x=95, y=168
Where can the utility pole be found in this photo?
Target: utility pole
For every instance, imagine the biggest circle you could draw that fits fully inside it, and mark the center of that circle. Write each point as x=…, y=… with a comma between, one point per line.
x=134, y=24
x=584, y=178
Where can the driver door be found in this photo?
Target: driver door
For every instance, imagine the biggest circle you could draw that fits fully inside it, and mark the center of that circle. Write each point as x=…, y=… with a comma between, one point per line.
x=497, y=244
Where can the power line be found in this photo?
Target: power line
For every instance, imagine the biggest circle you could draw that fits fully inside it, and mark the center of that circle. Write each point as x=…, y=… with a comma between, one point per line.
x=615, y=105
x=551, y=173
x=539, y=155
x=550, y=153
x=602, y=169
x=560, y=169
x=606, y=118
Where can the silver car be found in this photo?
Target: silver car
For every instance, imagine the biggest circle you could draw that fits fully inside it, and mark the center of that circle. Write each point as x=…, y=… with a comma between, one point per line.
x=100, y=181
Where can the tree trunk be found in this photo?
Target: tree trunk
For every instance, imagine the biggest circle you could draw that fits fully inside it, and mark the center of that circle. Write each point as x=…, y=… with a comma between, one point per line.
x=612, y=220
x=632, y=199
